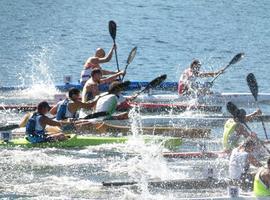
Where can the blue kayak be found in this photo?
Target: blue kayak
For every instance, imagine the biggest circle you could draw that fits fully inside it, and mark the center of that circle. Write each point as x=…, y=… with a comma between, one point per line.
x=135, y=85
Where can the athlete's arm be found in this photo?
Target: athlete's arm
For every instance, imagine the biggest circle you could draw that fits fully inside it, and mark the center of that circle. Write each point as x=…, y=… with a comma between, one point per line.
x=107, y=72
x=111, y=78
x=53, y=110
x=251, y=116
x=108, y=57
x=254, y=161
x=47, y=121
x=87, y=105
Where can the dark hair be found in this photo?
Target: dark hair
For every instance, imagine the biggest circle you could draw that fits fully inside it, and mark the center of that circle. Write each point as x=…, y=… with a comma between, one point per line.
x=96, y=71
x=115, y=87
x=268, y=161
x=195, y=62
x=73, y=91
x=249, y=143
x=43, y=104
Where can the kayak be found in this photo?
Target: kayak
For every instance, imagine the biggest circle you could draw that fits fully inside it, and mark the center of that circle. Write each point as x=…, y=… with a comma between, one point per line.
x=175, y=107
x=214, y=99
x=177, y=183
x=78, y=141
x=176, y=121
x=199, y=155
x=112, y=127
x=134, y=85
x=144, y=107
x=197, y=183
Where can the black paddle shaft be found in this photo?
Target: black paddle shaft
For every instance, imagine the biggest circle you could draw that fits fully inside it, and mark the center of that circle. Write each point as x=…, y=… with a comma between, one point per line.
x=233, y=61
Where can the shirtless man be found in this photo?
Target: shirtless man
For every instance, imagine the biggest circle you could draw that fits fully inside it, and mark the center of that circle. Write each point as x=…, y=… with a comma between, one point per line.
x=91, y=89
x=94, y=62
x=187, y=82
x=261, y=187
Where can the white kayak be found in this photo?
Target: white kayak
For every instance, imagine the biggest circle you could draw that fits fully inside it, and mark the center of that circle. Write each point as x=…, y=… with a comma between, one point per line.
x=180, y=121
x=214, y=99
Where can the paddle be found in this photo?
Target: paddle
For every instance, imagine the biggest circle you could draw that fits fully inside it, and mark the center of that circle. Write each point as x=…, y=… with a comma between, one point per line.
x=233, y=61
x=253, y=86
x=232, y=108
x=11, y=127
x=129, y=60
x=112, y=30
x=152, y=84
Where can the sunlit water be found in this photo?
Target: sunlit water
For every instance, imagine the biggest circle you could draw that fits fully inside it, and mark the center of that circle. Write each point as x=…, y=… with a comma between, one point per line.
x=43, y=41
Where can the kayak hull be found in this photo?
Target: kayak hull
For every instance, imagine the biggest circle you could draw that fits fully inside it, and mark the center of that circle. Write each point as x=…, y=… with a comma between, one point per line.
x=79, y=141
x=215, y=99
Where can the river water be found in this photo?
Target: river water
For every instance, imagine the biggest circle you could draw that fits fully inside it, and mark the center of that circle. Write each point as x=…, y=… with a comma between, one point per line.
x=42, y=41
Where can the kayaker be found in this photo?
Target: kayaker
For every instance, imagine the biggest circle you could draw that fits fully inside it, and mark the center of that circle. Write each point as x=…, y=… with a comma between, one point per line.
x=91, y=89
x=36, y=124
x=233, y=130
x=187, y=82
x=261, y=187
x=109, y=102
x=94, y=62
x=240, y=160
x=68, y=107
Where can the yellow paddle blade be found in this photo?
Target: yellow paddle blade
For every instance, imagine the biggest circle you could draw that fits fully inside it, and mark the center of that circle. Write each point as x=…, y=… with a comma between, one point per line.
x=25, y=120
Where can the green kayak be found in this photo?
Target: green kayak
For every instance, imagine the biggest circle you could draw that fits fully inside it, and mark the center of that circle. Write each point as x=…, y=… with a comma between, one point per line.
x=78, y=141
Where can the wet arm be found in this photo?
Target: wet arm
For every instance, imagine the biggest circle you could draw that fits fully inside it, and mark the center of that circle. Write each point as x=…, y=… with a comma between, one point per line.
x=254, y=161
x=111, y=78
x=108, y=57
x=53, y=110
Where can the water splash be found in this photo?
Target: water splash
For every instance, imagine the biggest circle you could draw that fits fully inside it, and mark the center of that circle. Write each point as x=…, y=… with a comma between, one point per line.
x=39, y=80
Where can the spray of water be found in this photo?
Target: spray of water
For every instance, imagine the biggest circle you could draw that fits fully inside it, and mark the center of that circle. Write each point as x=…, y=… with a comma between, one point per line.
x=38, y=80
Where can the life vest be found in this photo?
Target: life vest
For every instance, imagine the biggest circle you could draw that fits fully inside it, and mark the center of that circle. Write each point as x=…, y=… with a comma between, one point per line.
x=63, y=112
x=185, y=80
x=230, y=139
x=31, y=126
x=259, y=188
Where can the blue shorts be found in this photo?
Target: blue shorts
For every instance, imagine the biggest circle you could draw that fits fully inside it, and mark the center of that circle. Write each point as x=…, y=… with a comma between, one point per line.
x=37, y=138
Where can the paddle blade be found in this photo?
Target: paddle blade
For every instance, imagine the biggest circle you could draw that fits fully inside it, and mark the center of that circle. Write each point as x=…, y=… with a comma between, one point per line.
x=156, y=82
x=131, y=55
x=236, y=58
x=252, y=84
x=239, y=114
x=112, y=29
x=9, y=127
x=117, y=87
x=232, y=108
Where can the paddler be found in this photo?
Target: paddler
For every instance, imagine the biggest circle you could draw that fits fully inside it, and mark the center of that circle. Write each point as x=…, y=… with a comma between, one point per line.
x=187, y=83
x=94, y=62
x=233, y=130
x=109, y=102
x=67, y=108
x=91, y=87
x=240, y=160
x=36, y=124
x=261, y=187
